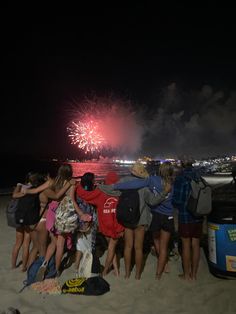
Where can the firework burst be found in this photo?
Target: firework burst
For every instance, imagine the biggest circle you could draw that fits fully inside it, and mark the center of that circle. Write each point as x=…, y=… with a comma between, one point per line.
x=105, y=124
x=85, y=134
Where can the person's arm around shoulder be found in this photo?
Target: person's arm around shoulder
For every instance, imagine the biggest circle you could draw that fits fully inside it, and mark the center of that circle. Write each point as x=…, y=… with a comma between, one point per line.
x=108, y=189
x=39, y=189
x=57, y=195
x=133, y=184
x=155, y=199
x=17, y=193
x=82, y=216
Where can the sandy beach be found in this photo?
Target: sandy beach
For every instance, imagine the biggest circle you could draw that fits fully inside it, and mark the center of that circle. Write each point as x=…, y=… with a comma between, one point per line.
x=169, y=295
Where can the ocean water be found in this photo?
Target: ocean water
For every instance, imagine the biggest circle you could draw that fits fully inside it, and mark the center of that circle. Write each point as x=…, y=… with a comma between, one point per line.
x=13, y=171
x=99, y=169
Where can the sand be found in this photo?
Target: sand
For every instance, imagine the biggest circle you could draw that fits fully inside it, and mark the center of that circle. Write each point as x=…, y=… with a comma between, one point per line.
x=169, y=295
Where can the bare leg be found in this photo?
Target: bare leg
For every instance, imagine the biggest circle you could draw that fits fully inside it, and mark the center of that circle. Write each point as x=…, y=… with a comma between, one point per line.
x=59, y=250
x=42, y=235
x=110, y=256
x=50, y=251
x=138, y=247
x=186, y=258
x=129, y=240
x=34, y=250
x=116, y=266
x=156, y=240
x=162, y=261
x=25, y=250
x=195, y=256
x=17, y=246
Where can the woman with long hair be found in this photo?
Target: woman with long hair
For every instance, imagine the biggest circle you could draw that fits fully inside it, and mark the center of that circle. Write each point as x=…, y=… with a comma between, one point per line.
x=162, y=226
x=53, y=189
x=162, y=220
x=23, y=238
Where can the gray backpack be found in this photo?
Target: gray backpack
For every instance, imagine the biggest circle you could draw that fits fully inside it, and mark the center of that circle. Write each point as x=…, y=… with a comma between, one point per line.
x=200, y=199
x=11, y=213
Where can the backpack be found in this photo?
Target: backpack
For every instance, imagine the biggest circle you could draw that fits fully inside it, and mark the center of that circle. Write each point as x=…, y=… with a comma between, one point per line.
x=128, y=209
x=200, y=198
x=11, y=213
x=28, y=210
x=33, y=270
x=86, y=209
x=90, y=286
x=66, y=219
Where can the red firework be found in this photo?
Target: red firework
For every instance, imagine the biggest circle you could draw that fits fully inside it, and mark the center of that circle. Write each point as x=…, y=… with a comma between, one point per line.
x=105, y=124
x=85, y=134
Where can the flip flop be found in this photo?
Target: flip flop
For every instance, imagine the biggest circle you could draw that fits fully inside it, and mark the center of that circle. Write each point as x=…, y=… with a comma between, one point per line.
x=41, y=272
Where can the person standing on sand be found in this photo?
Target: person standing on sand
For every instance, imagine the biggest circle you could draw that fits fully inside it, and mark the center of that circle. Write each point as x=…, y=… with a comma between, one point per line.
x=87, y=232
x=189, y=227
x=107, y=222
x=62, y=185
x=23, y=238
x=134, y=238
x=52, y=189
x=162, y=224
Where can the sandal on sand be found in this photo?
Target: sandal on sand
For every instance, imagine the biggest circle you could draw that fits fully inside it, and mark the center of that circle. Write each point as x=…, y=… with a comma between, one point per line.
x=41, y=272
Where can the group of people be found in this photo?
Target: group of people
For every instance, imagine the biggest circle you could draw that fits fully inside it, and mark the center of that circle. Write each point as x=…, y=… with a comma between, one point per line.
x=95, y=206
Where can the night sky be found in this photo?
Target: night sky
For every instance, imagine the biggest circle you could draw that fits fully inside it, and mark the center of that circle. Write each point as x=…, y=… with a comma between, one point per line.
x=175, y=64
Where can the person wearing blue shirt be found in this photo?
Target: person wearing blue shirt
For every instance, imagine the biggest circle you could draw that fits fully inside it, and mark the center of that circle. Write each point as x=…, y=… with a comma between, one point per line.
x=189, y=227
x=162, y=225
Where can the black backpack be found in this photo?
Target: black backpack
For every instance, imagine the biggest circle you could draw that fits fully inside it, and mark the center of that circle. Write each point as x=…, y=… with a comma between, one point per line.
x=128, y=209
x=28, y=210
x=86, y=286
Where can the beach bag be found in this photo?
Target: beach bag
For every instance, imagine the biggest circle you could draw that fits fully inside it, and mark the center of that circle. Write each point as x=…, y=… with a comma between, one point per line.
x=85, y=267
x=28, y=210
x=82, y=286
x=34, y=267
x=66, y=219
x=200, y=198
x=86, y=209
x=128, y=209
x=11, y=213
x=51, y=215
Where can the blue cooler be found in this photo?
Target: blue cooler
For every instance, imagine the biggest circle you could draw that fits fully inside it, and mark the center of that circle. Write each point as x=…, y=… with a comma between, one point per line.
x=222, y=240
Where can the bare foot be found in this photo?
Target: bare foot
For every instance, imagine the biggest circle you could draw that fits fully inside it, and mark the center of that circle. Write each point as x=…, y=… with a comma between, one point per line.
x=158, y=276
x=167, y=268
x=116, y=272
x=184, y=277
x=127, y=276
x=137, y=277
